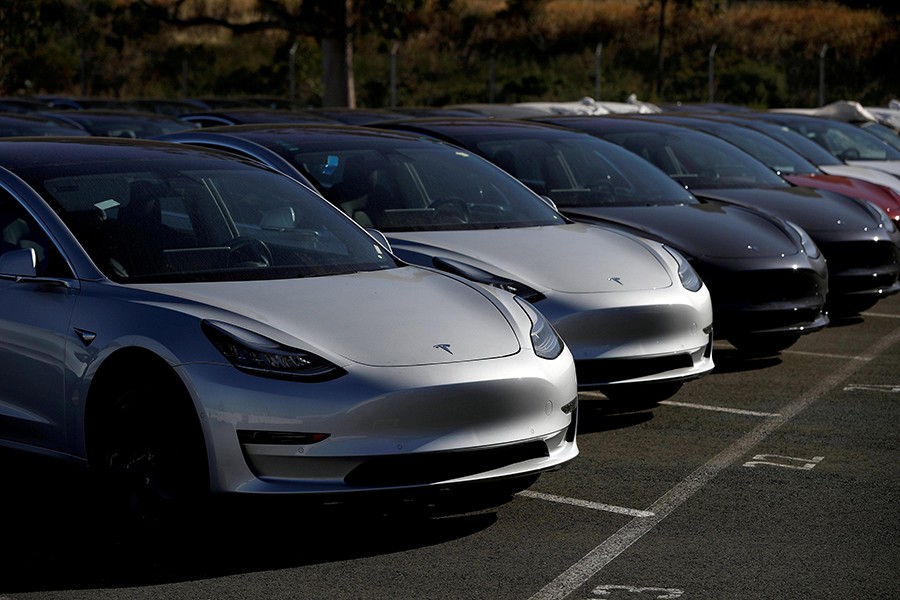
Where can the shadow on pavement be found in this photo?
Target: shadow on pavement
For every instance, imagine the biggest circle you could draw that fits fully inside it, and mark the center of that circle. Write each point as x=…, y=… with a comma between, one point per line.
x=55, y=539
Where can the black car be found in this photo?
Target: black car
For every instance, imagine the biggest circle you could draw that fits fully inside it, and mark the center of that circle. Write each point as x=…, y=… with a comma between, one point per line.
x=860, y=243
x=26, y=125
x=247, y=116
x=121, y=123
x=767, y=279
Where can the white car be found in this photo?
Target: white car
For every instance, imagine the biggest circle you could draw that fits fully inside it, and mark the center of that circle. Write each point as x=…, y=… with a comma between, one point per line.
x=634, y=313
x=182, y=322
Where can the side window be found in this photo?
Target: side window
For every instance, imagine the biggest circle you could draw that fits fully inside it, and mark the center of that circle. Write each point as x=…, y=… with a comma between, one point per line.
x=18, y=230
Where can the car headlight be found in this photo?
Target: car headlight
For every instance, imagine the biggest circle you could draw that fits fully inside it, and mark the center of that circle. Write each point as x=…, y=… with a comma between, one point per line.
x=809, y=246
x=686, y=273
x=544, y=339
x=481, y=276
x=881, y=216
x=258, y=355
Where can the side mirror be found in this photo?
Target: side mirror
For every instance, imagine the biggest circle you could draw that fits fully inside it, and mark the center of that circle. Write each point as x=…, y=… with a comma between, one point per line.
x=21, y=263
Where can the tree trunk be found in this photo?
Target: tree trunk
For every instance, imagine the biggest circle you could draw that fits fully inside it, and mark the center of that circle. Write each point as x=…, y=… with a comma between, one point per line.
x=337, y=64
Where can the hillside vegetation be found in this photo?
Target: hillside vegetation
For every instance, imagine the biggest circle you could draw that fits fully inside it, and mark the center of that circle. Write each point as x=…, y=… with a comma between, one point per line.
x=767, y=54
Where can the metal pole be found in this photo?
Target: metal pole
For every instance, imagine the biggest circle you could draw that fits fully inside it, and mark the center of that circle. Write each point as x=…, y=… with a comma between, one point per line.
x=491, y=75
x=597, y=52
x=712, y=71
x=292, y=62
x=184, y=78
x=822, y=74
x=394, y=49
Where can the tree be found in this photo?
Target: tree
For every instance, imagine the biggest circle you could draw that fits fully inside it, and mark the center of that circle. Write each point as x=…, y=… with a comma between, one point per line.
x=332, y=23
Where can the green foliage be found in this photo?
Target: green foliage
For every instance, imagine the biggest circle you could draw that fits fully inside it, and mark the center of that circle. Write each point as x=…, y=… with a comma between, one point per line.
x=768, y=53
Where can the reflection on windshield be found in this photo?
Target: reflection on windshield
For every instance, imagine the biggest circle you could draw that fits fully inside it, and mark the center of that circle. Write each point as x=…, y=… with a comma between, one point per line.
x=401, y=186
x=169, y=222
x=699, y=161
x=587, y=172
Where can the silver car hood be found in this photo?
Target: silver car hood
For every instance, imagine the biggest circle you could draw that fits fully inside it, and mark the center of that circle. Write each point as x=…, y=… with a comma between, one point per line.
x=572, y=258
x=397, y=317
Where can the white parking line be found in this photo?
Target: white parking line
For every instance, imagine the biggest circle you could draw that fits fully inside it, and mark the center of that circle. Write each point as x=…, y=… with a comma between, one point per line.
x=582, y=571
x=737, y=411
x=880, y=315
x=823, y=355
x=587, y=504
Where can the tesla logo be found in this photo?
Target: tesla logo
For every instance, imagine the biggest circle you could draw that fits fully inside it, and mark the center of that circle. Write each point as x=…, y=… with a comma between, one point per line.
x=444, y=347
x=617, y=280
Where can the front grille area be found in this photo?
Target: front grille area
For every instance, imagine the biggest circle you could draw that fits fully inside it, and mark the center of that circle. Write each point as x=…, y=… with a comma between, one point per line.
x=762, y=287
x=431, y=467
x=601, y=371
x=846, y=256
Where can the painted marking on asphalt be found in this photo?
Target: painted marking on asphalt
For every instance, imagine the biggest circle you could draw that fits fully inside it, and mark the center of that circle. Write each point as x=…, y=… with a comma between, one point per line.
x=880, y=315
x=824, y=355
x=871, y=387
x=737, y=411
x=587, y=504
x=581, y=572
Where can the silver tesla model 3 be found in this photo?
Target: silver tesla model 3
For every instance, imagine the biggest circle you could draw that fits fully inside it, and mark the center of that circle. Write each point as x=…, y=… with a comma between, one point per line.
x=184, y=322
x=635, y=314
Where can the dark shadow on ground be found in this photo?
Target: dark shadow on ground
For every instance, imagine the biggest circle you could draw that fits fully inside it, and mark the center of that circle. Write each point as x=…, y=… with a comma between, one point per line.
x=55, y=539
x=597, y=413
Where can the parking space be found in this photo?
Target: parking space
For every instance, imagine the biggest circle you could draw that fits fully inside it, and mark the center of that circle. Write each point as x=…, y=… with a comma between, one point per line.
x=770, y=478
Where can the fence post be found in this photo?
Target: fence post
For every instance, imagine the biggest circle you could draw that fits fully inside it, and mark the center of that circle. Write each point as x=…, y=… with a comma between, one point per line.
x=822, y=74
x=597, y=52
x=712, y=71
x=394, y=48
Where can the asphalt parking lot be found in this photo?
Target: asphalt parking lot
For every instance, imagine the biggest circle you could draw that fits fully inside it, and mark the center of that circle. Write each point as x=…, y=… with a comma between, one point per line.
x=769, y=479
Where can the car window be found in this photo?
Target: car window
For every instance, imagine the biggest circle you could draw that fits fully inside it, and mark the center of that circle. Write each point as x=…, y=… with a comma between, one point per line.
x=170, y=222
x=845, y=141
x=20, y=231
x=419, y=187
x=585, y=172
x=697, y=160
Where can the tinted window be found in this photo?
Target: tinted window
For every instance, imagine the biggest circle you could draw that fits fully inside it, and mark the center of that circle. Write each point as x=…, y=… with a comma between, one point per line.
x=167, y=221
x=398, y=186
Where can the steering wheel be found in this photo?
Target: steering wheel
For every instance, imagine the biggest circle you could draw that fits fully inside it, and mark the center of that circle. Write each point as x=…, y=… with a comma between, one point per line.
x=450, y=209
x=849, y=154
x=248, y=252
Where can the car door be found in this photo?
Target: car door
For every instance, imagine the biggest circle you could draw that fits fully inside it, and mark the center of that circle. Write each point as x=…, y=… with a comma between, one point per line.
x=35, y=312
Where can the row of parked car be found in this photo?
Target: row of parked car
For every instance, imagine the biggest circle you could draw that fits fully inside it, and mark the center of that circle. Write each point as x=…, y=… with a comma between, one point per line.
x=407, y=306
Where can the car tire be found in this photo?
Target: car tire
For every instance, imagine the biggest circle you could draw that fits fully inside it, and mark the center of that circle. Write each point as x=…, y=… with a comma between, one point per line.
x=147, y=450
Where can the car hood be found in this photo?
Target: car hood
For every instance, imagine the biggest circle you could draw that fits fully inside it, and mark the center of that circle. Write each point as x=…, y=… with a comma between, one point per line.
x=888, y=166
x=813, y=210
x=865, y=173
x=397, y=317
x=704, y=230
x=573, y=258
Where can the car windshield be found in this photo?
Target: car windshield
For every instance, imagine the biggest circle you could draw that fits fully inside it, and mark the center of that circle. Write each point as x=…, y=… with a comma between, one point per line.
x=790, y=138
x=418, y=185
x=176, y=221
x=584, y=172
x=844, y=140
x=699, y=160
x=776, y=155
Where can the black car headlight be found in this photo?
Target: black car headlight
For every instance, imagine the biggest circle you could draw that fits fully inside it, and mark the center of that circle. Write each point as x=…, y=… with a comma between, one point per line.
x=881, y=216
x=809, y=246
x=690, y=280
x=258, y=355
x=544, y=339
x=481, y=276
